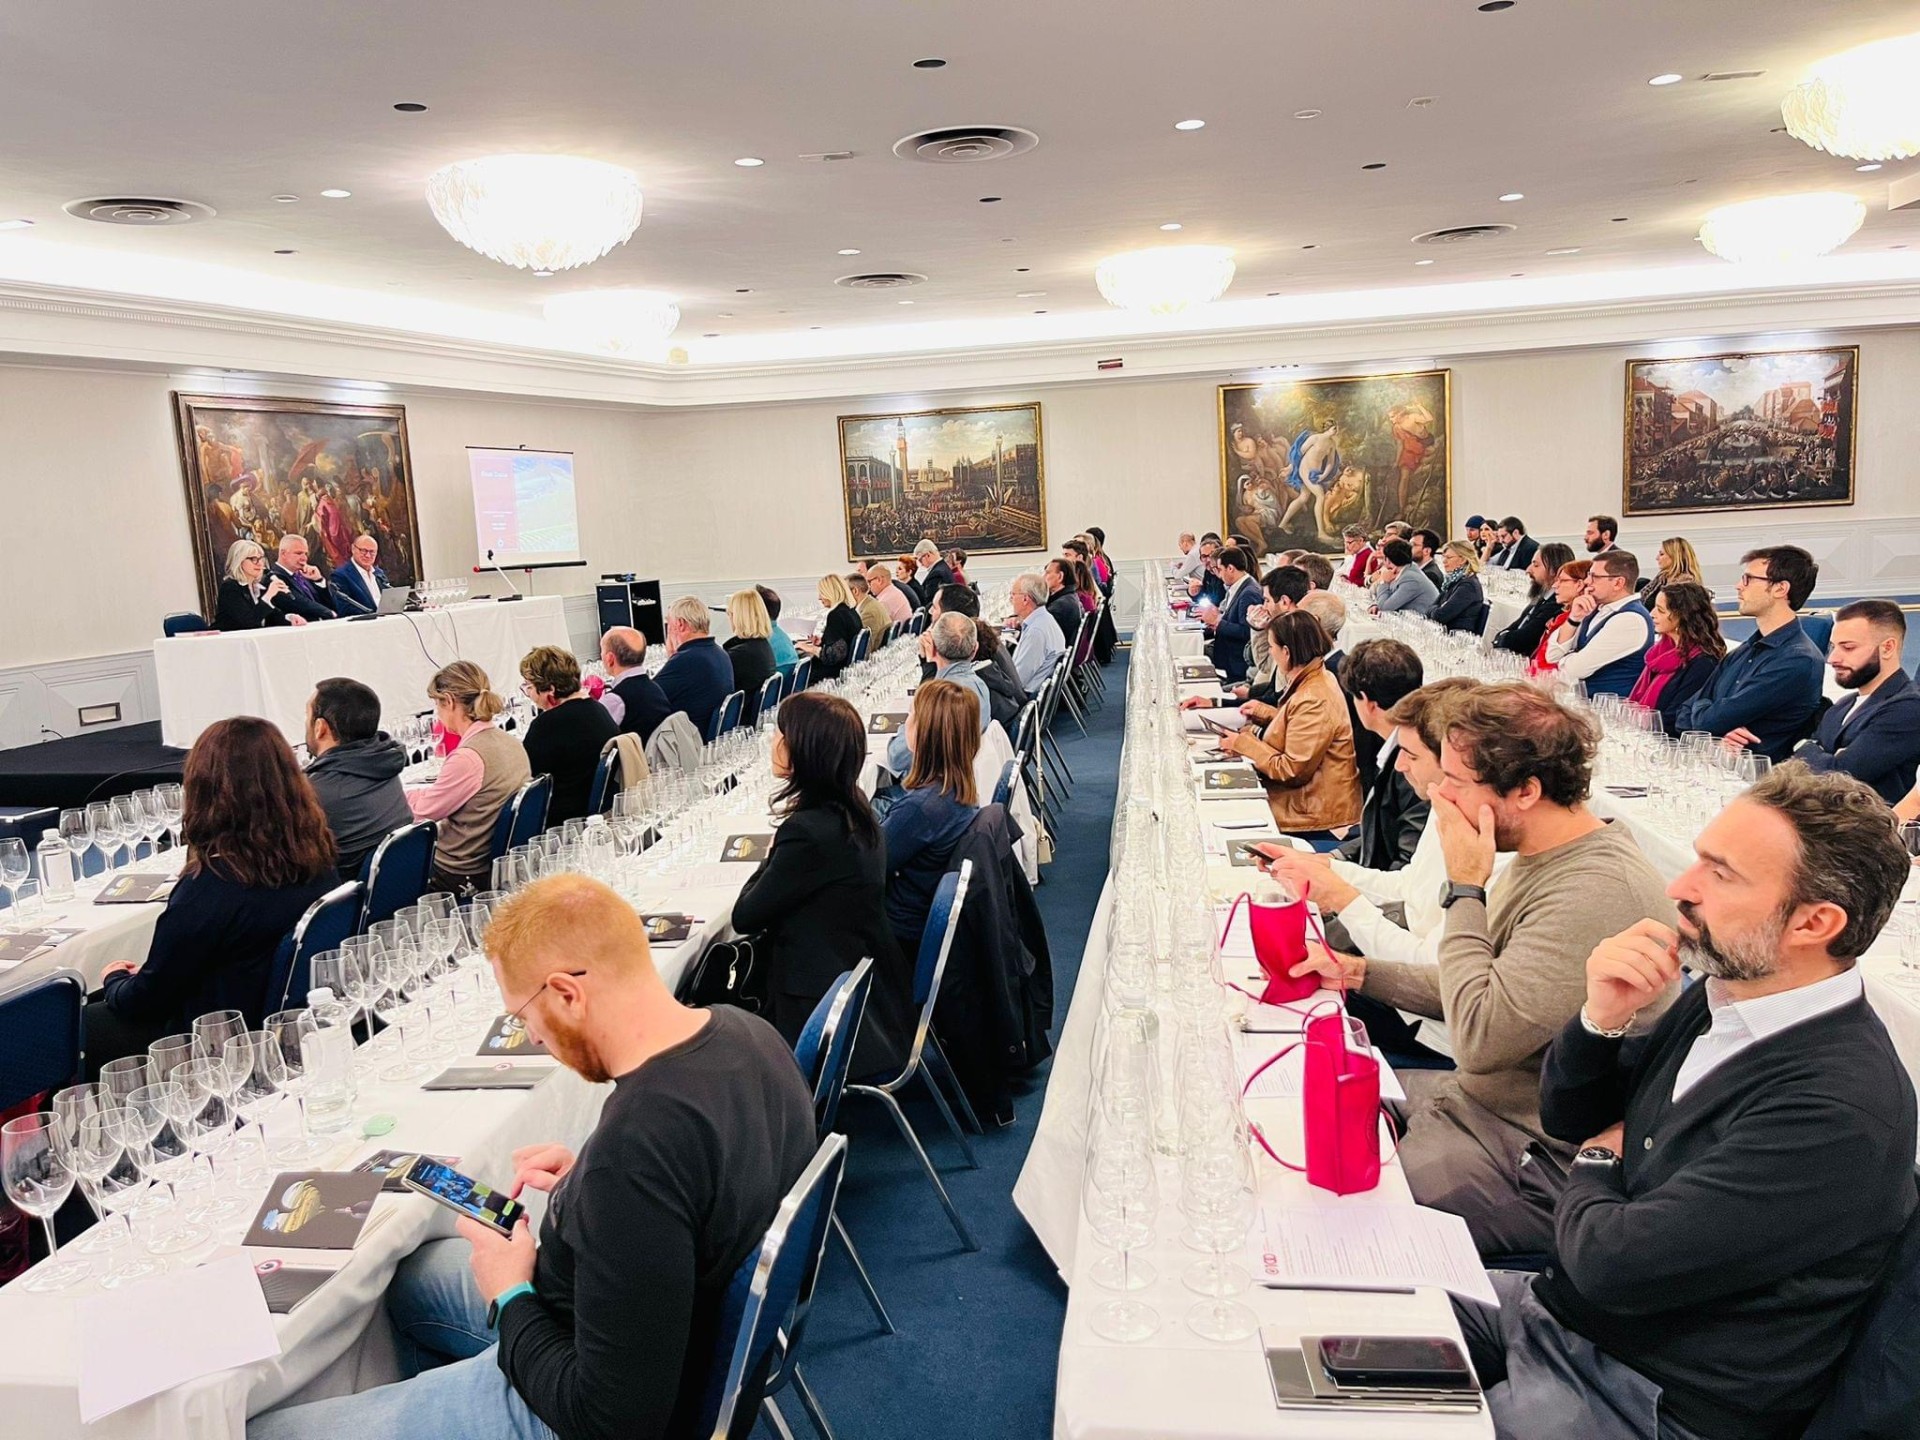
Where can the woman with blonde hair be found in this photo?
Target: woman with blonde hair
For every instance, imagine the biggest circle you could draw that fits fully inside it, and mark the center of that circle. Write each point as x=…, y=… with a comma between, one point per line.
x=564, y=740
x=1462, y=601
x=247, y=592
x=937, y=803
x=476, y=781
x=832, y=650
x=1677, y=564
x=750, y=648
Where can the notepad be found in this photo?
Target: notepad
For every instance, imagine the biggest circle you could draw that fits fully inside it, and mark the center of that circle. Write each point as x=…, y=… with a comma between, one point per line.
x=886, y=722
x=509, y=1038
x=668, y=927
x=1228, y=781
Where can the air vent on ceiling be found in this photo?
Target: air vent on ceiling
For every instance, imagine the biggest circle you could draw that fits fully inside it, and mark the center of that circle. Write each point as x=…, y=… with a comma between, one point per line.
x=1461, y=234
x=966, y=144
x=881, y=280
x=1733, y=75
x=133, y=210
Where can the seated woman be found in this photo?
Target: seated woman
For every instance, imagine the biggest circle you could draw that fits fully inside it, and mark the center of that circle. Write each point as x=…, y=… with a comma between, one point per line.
x=1676, y=563
x=1522, y=637
x=1461, y=594
x=818, y=903
x=247, y=592
x=750, y=648
x=936, y=804
x=993, y=667
x=1083, y=586
x=476, y=782
x=1570, y=580
x=1303, y=744
x=566, y=737
x=1682, y=659
x=833, y=651
x=956, y=559
x=258, y=854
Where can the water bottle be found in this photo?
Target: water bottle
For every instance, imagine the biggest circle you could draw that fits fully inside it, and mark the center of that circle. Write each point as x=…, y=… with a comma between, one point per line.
x=55, y=863
x=330, y=1087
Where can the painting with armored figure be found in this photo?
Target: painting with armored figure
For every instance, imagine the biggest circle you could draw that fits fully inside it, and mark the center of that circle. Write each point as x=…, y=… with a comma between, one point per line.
x=1300, y=460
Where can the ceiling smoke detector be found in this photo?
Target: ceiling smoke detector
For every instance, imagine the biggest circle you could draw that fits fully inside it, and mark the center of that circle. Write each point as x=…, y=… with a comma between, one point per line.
x=1462, y=234
x=965, y=144
x=131, y=210
x=881, y=280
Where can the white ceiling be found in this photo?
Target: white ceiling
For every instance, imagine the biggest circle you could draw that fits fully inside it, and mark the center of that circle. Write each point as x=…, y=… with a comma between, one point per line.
x=229, y=102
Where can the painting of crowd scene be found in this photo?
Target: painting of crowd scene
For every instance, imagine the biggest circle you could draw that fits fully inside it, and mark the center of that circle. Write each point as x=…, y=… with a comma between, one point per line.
x=1301, y=460
x=1720, y=432
x=260, y=469
x=971, y=478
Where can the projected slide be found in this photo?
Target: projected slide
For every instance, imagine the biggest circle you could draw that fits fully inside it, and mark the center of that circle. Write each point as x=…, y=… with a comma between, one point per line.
x=523, y=507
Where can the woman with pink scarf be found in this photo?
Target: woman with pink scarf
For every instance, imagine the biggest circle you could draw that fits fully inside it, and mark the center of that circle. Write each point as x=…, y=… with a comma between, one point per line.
x=1683, y=658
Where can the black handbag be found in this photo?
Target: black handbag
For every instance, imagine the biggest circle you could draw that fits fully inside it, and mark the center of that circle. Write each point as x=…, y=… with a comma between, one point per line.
x=727, y=973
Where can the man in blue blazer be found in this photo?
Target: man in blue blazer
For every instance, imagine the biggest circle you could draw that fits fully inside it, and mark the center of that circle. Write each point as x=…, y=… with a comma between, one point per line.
x=357, y=584
x=698, y=675
x=1231, y=630
x=1873, y=734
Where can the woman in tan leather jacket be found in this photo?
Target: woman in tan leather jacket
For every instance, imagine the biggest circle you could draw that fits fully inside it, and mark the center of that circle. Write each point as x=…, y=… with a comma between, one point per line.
x=1302, y=746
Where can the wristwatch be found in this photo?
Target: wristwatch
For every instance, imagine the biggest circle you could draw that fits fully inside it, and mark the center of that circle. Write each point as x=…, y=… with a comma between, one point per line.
x=1456, y=891
x=1596, y=1158
x=505, y=1298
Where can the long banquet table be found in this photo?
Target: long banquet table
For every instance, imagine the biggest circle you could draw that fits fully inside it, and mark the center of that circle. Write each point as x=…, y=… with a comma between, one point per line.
x=271, y=672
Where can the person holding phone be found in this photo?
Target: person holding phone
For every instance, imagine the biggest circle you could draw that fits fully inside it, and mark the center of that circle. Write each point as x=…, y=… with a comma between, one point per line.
x=606, y=1327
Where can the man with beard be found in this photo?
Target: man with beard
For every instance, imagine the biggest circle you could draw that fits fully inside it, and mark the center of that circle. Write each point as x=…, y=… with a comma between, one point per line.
x=1873, y=734
x=607, y=1328
x=1601, y=532
x=1515, y=768
x=1748, y=1160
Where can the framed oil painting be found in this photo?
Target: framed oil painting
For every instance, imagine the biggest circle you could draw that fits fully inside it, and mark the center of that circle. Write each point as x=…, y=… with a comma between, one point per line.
x=974, y=478
x=1300, y=460
x=258, y=469
x=1745, y=431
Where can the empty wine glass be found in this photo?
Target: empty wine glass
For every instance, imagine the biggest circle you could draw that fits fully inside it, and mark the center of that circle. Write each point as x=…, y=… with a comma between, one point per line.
x=126, y=824
x=1218, y=1195
x=287, y=1061
x=38, y=1179
x=15, y=866
x=100, y=833
x=212, y=1031
x=1120, y=1196
x=120, y=1078
x=171, y=798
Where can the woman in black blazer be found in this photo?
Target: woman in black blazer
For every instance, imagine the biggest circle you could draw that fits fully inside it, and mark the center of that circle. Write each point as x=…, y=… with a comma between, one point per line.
x=246, y=599
x=1522, y=637
x=1461, y=597
x=817, y=905
x=750, y=649
x=833, y=652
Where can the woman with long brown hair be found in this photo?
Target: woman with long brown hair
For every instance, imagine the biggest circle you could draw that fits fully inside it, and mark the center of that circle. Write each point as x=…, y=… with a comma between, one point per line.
x=1302, y=745
x=938, y=803
x=476, y=781
x=258, y=854
x=1681, y=661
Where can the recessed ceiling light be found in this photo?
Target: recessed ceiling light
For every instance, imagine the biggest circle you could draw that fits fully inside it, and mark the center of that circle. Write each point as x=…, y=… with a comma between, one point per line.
x=336, y=194
x=989, y=199
x=816, y=327
x=749, y=162
x=1511, y=196
x=1565, y=250
x=1374, y=165
x=904, y=302
x=283, y=199
x=930, y=63
x=286, y=252
x=1029, y=294
x=1896, y=247
x=543, y=274
x=1039, y=312
x=1272, y=294
x=1309, y=247
x=743, y=291
x=1423, y=262
x=15, y=224
x=1189, y=124
x=1667, y=79
x=410, y=107
x=1306, y=114
x=1619, y=219
x=1864, y=169
x=711, y=335
x=1489, y=7
x=849, y=252
x=1171, y=225
x=1021, y=269
x=1519, y=275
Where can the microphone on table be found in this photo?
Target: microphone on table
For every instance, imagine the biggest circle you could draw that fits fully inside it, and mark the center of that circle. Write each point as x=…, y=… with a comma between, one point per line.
x=515, y=595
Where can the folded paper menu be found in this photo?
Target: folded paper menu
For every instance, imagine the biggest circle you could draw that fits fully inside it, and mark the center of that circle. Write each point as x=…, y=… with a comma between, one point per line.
x=886, y=722
x=1228, y=781
x=1190, y=670
x=745, y=849
x=30, y=945
x=669, y=927
x=314, y=1210
x=134, y=889
x=508, y=1037
x=504, y=1075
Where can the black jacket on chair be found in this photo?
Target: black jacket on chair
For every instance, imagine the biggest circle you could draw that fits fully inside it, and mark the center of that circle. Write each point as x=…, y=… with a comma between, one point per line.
x=1390, y=821
x=816, y=907
x=1522, y=637
x=237, y=609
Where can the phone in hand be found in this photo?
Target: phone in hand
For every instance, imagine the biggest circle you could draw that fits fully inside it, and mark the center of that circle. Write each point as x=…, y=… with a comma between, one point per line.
x=463, y=1194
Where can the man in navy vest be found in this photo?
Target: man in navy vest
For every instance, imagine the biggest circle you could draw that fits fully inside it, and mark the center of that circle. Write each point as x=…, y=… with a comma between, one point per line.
x=1607, y=645
x=1764, y=694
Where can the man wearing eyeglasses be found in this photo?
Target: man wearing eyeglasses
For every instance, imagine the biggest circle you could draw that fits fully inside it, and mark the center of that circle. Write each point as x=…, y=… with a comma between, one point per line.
x=606, y=1328
x=1762, y=696
x=1607, y=644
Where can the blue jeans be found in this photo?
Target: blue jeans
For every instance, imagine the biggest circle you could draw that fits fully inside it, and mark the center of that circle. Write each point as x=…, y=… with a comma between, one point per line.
x=456, y=1391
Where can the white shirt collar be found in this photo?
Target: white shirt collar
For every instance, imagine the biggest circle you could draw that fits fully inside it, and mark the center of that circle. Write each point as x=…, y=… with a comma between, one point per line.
x=1770, y=1014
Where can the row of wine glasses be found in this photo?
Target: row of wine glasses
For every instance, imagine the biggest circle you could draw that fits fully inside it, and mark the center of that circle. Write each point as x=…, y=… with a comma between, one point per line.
x=117, y=829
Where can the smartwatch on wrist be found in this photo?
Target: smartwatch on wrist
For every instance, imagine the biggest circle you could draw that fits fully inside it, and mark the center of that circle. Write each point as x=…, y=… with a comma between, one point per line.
x=1596, y=1158
x=1456, y=891
x=505, y=1298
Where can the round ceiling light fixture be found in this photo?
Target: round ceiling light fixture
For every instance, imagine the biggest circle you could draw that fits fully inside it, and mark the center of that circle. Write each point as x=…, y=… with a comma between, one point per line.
x=1189, y=124
x=1167, y=279
x=537, y=212
x=1861, y=103
x=1782, y=228
x=336, y=194
x=1669, y=78
x=617, y=320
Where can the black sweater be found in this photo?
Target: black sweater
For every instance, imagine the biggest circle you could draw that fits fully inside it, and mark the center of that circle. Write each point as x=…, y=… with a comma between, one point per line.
x=1751, y=1221
x=673, y=1189
x=565, y=742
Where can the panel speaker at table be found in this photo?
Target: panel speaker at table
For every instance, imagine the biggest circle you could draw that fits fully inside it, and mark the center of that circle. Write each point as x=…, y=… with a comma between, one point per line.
x=258, y=469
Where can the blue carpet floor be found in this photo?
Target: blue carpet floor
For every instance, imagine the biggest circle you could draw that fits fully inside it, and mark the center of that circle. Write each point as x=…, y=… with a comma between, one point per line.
x=979, y=1334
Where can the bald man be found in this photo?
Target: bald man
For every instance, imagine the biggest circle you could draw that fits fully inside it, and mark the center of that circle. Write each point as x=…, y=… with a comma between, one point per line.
x=607, y=1327
x=880, y=583
x=633, y=697
x=307, y=594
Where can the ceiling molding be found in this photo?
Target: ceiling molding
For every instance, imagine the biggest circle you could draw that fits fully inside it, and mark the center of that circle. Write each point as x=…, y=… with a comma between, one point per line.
x=44, y=323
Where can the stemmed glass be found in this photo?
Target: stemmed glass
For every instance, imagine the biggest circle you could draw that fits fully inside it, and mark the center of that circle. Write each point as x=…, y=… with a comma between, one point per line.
x=15, y=866
x=101, y=835
x=1218, y=1195
x=1121, y=1198
x=38, y=1179
x=153, y=820
x=208, y=1129
x=171, y=799
x=212, y=1031
x=286, y=1059
x=170, y=1054
x=107, y=1171
x=120, y=1078
x=250, y=1087
x=126, y=824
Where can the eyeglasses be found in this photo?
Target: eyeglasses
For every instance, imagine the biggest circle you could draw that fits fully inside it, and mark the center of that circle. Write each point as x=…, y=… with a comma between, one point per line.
x=1747, y=579
x=514, y=1018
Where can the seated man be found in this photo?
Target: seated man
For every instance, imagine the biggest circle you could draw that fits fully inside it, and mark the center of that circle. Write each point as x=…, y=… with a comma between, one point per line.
x=1188, y=564
x=785, y=657
x=873, y=615
x=1063, y=601
x=1873, y=734
x=1606, y=645
x=633, y=697
x=949, y=645
x=1377, y=676
x=898, y=603
x=1359, y=554
x=607, y=1327
x=1747, y=1165
x=308, y=594
x=356, y=585
x=1515, y=770
x=1402, y=585
x=698, y=675
x=947, y=600
x=930, y=572
x=1764, y=693
x=1231, y=630
x=355, y=770
x=1206, y=587
x=1041, y=644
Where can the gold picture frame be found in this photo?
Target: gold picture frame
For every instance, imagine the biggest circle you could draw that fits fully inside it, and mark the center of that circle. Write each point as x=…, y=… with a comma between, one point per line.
x=980, y=485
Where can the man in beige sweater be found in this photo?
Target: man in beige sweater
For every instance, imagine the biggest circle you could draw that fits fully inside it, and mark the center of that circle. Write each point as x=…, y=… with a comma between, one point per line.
x=1515, y=771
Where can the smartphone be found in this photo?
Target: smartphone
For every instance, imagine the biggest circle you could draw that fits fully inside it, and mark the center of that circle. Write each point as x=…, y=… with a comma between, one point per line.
x=1215, y=726
x=427, y=1176
x=1395, y=1362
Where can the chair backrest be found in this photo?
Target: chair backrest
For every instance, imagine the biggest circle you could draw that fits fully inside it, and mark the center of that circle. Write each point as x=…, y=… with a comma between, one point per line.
x=862, y=645
x=726, y=715
x=770, y=693
x=1003, y=792
x=825, y=1047
x=802, y=675
x=919, y=622
x=183, y=622
x=1818, y=626
x=326, y=925
x=893, y=631
x=1083, y=638
x=530, y=810
x=398, y=871
x=1876, y=1390
x=40, y=1035
x=943, y=919
x=600, y=792
x=772, y=1289
x=1023, y=726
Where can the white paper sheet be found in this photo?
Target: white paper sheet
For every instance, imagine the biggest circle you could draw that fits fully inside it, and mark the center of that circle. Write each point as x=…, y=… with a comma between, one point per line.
x=1372, y=1245
x=155, y=1334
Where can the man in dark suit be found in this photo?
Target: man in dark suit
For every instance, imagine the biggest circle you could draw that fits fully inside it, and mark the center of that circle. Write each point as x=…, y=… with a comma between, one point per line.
x=632, y=697
x=1520, y=549
x=698, y=675
x=1231, y=629
x=930, y=572
x=1873, y=734
x=1377, y=675
x=308, y=594
x=1426, y=553
x=1063, y=602
x=356, y=585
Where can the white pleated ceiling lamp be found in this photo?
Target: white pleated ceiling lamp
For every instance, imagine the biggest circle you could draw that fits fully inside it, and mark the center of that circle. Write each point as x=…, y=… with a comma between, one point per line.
x=1166, y=279
x=1782, y=228
x=1863, y=103
x=536, y=212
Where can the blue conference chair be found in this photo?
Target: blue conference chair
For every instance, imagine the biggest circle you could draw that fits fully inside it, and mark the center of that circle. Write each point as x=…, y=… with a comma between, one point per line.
x=770, y=694
x=502, y=840
x=726, y=715
x=943, y=920
x=183, y=622
x=600, y=793
x=326, y=926
x=530, y=810
x=397, y=872
x=802, y=675
x=921, y=619
x=764, y=1314
x=862, y=644
x=1003, y=791
x=823, y=1052
x=40, y=1035
x=893, y=633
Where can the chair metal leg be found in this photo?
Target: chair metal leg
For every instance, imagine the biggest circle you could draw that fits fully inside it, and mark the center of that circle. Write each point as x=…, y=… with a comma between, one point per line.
x=1073, y=709
x=946, y=1114
x=860, y=1274
x=775, y=1418
x=905, y=1127
x=811, y=1404
x=952, y=1077
x=1053, y=747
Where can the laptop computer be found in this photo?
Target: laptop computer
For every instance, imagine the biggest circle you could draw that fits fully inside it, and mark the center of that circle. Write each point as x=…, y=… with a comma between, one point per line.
x=394, y=600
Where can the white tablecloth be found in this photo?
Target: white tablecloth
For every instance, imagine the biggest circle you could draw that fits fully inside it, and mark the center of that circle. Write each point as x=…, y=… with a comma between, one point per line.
x=204, y=678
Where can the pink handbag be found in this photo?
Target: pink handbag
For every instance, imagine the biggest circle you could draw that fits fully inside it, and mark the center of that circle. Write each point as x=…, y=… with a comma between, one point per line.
x=1342, y=1097
x=1279, y=944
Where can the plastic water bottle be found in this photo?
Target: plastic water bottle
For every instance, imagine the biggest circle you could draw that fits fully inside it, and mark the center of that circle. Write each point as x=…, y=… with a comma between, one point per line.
x=330, y=1087
x=54, y=861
